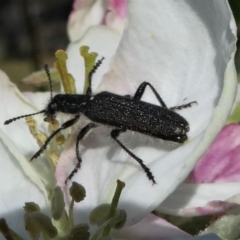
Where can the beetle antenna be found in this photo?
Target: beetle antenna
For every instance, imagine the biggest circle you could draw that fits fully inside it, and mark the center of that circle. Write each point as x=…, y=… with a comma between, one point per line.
x=46, y=67
x=95, y=67
x=23, y=116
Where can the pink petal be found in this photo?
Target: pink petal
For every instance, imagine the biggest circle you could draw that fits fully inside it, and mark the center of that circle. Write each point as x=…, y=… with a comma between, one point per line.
x=119, y=6
x=88, y=13
x=221, y=162
x=116, y=15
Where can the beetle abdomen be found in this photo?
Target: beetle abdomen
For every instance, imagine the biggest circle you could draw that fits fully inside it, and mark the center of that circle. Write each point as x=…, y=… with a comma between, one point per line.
x=135, y=115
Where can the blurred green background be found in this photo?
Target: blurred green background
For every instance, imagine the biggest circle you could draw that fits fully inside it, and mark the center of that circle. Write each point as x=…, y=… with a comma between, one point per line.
x=32, y=30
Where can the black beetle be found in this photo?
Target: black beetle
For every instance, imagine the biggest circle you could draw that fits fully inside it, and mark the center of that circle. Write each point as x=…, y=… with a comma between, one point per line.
x=122, y=112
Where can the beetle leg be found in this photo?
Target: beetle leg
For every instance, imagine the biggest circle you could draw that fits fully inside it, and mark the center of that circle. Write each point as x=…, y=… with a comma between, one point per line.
x=183, y=106
x=114, y=134
x=141, y=89
x=80, y=136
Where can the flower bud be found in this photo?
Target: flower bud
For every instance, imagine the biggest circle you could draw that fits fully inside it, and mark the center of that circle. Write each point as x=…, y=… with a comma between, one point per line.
x=79, y=232
x=31, y=207
x=57, y=203
x=99, y=214
x=37, y=222
x=77, y=192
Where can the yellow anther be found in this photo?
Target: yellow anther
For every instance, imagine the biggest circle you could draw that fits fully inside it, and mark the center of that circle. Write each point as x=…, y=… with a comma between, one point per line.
x=54, y=156
x=41, y=137
x=60, y=139
x=32, y=126
x=34, y=132
x=54, y=125
x=31, y=122
x=67, y=79
x=89, y=60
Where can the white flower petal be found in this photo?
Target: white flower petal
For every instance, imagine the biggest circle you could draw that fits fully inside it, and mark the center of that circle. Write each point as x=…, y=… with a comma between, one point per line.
x=13, y=104
x=16, y=189
x=188, y=66
x=100, y=39
x=17, y=137
x=86, y=14
x=186, y=52
x=38, y=99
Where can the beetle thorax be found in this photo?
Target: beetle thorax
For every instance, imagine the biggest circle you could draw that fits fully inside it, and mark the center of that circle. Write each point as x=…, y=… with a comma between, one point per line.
x=67, y=103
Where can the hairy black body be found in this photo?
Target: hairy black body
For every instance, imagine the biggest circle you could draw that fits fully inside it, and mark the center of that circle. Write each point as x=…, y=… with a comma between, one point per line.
x=121, y=112
x=124, y=112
